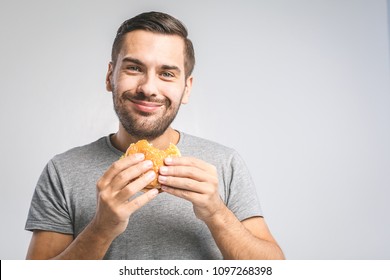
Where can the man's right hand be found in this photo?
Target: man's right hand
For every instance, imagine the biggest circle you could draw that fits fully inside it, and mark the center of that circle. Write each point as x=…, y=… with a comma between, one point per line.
x=115, y=204
x=115, y=191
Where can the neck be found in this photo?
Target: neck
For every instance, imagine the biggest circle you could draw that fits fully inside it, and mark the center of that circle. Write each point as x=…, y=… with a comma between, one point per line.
x=122, y=140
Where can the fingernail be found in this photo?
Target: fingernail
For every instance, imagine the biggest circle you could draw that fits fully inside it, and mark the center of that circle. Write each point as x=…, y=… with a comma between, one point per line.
x=148, y=163
x=150, y=175
x=162, y=179
x=168, y=160
x=163, y=169
x=153, y=192
x=139, y=156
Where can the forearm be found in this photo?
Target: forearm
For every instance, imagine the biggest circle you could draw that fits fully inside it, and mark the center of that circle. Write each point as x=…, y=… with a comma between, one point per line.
x=236, y=242
x=89, y=245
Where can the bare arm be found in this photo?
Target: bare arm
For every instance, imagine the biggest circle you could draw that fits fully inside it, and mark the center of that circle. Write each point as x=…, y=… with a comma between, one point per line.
x=197, y=182
x=250, y=239
x=53, y=245
x=114, y=208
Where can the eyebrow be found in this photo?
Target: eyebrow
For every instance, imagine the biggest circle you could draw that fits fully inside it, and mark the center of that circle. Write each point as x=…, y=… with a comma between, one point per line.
x=139, y=62
x=133, y=60
x=171, y=67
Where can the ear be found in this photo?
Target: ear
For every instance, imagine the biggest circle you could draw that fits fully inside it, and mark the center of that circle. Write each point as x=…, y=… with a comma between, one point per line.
x=109, y=76
x=187, y=90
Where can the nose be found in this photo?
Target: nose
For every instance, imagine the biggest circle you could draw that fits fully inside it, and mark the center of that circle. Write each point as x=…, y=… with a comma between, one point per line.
x=147, y=85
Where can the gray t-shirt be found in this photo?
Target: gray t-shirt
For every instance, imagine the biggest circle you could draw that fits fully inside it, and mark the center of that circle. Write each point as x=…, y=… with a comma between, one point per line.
x=166, y=228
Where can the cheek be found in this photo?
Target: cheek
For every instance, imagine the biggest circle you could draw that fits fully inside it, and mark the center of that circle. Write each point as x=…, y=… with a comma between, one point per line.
x=126, y=83
x=173, y=93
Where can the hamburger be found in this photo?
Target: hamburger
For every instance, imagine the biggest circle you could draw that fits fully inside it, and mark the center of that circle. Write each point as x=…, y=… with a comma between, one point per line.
x=156, y=155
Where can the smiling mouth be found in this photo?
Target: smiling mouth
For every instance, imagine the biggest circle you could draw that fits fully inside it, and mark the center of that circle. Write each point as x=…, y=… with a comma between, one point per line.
x=146, y=106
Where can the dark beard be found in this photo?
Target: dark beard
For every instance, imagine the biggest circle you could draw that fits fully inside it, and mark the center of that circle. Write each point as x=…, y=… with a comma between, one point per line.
x=143, y=129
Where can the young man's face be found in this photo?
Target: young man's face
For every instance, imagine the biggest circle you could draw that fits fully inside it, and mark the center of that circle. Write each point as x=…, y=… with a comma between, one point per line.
x=148, y=82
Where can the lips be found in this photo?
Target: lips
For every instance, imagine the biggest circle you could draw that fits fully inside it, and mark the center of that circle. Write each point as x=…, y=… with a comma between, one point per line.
x=146, y=106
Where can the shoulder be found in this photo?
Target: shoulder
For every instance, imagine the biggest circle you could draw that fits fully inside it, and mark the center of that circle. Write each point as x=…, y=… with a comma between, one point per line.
x=208, y=150
x=195, y=143
x=95, y=152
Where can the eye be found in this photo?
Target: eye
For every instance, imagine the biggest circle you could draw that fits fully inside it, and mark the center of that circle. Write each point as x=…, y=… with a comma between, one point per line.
x=167, y=75
x=133, y=68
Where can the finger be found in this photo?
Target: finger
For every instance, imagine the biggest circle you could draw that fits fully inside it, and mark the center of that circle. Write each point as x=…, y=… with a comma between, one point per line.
x=185, y=194
x=183, y=184
x=192, y=172
x=130, y=174
x=119, y=166
x=135, y=186
x=190, y=161
x=141, y=200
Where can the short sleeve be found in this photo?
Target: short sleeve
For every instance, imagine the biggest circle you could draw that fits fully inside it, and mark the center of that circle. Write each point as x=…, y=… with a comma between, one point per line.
x=242, y=198
x=48, y=209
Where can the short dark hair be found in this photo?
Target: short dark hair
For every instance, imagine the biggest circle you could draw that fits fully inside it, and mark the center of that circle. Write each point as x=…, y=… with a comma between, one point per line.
x=158, y=23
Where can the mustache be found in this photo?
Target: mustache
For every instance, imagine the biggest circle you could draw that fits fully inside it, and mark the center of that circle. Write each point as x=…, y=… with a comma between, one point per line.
x=142, y=97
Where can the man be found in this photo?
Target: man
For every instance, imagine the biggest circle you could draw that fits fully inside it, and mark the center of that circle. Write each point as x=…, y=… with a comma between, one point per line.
x=88, y=204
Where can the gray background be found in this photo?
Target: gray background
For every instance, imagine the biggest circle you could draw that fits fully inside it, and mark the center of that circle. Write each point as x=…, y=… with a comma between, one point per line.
x=299, y=87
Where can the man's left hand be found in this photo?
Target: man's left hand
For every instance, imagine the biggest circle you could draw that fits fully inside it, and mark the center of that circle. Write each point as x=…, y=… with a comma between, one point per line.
x=194, y=180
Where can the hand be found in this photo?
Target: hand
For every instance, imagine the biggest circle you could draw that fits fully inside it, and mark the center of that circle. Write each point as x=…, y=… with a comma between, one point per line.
x=114, y=192
x=195, y=181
